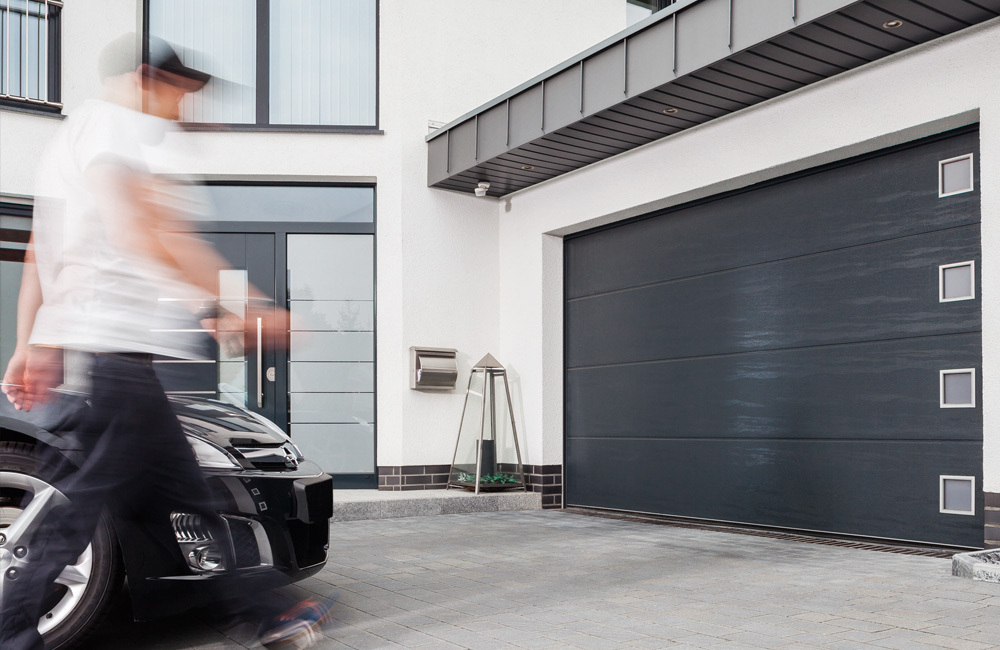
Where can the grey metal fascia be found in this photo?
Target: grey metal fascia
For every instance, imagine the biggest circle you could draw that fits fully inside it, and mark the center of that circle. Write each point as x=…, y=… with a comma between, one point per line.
x=657, y=78
x=642, y=25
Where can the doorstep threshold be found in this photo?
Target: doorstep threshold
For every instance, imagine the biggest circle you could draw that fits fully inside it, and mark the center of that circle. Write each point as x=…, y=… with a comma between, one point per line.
x=356, y=505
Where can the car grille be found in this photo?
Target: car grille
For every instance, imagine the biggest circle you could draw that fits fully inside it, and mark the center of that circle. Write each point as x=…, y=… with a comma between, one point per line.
x=270, y=459
x=244, y=543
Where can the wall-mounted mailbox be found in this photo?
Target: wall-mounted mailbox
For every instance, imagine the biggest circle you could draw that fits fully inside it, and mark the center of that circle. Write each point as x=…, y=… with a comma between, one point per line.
x=433, y=368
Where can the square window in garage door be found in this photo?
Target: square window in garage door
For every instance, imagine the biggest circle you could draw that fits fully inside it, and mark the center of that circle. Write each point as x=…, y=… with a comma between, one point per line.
x=955, y=175
x=958, y=388
x=958, y=495
x=957, y=281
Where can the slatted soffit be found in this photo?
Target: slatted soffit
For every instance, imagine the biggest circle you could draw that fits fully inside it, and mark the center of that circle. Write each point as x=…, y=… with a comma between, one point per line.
x=685, y=65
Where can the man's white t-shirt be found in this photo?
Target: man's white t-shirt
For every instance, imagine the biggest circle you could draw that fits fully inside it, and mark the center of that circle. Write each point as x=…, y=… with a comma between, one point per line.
x=96, y=297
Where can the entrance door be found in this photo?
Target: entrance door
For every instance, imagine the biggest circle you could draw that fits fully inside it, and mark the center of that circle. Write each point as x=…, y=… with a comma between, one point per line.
x=315, y=380
x=236, y=370
x=311, y=247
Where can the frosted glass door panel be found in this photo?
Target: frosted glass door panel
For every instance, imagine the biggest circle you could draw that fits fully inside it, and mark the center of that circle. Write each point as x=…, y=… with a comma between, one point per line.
x=338, y=448
x=341, y=408
x=336, y=315
x=318, y=377
x=232, y=359
x=331, y=267
x=333, y=346
x=332, y=350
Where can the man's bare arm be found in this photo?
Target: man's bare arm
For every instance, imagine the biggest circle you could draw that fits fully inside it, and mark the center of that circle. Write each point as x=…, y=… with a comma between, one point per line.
x=135, y=223
x=29, y=300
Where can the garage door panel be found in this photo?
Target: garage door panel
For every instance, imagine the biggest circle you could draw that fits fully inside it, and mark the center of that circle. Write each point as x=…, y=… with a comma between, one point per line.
x=880, y=390
x=878, y=291
x=824, y=211
x=773, y=356
x=876, y=489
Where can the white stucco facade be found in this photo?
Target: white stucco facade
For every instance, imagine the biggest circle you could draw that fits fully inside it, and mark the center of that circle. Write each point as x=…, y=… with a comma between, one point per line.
x=921, y=91
x=437, y=266
x=486, y=275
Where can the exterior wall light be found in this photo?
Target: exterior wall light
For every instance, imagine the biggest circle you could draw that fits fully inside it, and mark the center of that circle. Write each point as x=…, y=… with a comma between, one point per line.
x=482, y=188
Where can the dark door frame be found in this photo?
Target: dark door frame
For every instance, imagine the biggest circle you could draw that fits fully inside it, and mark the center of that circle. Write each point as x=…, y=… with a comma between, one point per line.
x=281, y=230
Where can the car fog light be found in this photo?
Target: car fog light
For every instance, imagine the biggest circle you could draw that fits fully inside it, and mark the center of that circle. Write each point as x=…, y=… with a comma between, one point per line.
x=206, y=558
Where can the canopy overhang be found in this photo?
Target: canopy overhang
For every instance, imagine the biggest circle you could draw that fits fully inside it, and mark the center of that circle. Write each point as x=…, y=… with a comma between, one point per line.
x=683, y=66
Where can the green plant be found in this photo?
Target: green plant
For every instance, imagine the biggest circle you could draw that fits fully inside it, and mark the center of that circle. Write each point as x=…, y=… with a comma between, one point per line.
x=488, y=479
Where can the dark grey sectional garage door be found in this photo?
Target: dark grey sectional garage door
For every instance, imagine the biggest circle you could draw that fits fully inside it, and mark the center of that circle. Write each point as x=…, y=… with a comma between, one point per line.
x=772, y=356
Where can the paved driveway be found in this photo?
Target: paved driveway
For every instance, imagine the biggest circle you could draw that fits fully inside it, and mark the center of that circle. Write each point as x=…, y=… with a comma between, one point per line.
x=549, y=579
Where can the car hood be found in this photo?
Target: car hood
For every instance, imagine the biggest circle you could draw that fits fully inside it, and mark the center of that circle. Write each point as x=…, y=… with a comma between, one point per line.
x=224, y=424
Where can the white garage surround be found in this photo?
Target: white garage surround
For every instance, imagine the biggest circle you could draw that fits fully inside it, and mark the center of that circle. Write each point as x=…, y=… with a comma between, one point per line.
x=925, y=90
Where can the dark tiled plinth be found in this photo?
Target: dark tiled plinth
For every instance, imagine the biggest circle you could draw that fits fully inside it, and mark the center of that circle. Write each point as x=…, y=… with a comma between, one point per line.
x=544, y=479
x=413, y=477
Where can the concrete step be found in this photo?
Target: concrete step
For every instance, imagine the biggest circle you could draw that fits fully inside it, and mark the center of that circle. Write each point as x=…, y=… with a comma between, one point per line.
x=353, y=505
x=979, y=565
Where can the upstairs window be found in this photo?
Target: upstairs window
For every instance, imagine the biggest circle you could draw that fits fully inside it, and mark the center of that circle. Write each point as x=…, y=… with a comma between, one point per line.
x=29, y=54
x=276, y=63
x=636, y=10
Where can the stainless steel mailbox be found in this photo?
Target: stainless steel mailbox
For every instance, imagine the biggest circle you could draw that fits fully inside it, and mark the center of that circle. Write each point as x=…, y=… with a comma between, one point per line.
x=433, y=368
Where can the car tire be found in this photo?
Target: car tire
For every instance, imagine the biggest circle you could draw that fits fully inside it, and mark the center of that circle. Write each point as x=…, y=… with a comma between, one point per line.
x=81, y=611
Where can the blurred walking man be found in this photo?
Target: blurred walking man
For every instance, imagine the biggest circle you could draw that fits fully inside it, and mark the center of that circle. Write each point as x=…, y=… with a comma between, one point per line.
x=107, y=244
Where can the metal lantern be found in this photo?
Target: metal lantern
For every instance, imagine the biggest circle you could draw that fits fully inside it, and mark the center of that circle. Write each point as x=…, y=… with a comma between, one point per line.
x=487, y=455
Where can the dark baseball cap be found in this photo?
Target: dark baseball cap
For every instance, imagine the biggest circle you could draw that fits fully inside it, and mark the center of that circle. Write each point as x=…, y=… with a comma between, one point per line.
x=121, y=56
x=163, y=59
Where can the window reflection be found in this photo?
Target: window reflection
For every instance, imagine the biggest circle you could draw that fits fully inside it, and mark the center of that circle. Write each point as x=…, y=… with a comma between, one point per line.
x=292, y=203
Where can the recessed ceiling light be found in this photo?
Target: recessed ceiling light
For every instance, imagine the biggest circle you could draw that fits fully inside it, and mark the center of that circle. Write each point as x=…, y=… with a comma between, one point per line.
x=527, y=168
x=892, y=24
x=670, y=111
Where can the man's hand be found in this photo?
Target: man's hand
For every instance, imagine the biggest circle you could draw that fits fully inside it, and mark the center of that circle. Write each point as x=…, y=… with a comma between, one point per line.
x=227, y=328
x=13, y=378
x=42, y=372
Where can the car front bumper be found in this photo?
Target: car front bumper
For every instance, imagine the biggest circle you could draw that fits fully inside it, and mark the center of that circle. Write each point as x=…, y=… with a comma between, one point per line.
x=278, y=529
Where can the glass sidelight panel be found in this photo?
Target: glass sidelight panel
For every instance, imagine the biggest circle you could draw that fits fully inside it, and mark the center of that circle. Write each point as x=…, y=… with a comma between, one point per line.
x=14, y=232
x=338, y=448
x=331, y=383
x=232, y=366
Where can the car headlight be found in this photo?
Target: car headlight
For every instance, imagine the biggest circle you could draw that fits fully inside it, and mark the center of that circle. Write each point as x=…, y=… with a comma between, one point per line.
x=210, y=456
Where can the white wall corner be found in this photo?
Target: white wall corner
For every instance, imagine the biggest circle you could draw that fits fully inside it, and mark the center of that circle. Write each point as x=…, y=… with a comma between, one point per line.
x=552, y=351
x=989, y=169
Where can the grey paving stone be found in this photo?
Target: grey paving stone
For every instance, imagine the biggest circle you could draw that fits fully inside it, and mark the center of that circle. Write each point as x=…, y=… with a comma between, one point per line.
x=549, y=579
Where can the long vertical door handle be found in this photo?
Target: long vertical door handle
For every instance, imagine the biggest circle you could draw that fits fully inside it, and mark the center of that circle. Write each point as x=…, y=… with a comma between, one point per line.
x=260, y=362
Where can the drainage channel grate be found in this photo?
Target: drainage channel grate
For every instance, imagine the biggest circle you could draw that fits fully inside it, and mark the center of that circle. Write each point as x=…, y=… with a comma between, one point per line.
x=921, y=551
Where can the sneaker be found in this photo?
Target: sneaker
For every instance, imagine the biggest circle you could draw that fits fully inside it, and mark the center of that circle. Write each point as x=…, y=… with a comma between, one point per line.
x=299, y=627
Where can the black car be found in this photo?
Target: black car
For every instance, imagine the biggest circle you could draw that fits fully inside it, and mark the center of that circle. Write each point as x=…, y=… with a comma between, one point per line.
x=277, y=506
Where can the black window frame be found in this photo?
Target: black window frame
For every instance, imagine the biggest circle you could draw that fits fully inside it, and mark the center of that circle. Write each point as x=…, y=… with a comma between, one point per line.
x=14, y=235
x=53, y=105
x=263, y=90
x=653, y=5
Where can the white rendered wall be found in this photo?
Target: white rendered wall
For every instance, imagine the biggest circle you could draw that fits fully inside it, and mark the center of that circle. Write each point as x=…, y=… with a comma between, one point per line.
x=87, y=25
x=438, y=270
x=925, y=90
